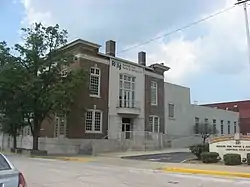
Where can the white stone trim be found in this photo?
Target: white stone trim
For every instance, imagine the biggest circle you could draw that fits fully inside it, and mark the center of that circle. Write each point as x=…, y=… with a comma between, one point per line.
x=95, y=59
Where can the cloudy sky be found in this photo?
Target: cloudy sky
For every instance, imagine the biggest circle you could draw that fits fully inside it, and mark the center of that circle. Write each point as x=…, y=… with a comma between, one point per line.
x=209, y=57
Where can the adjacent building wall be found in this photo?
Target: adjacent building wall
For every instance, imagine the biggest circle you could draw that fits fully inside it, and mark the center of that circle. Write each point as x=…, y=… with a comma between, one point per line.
x=86, y=56
x=243, y=107
x=179, y=96
x=182, y=124
x=211, y=114
x=83, y=102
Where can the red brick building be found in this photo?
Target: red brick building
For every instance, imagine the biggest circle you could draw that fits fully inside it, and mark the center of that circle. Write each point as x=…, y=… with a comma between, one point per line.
x=243, y=107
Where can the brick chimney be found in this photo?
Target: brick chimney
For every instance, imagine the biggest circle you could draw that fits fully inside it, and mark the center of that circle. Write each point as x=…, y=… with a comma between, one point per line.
x=110, y=47
x=142, y=58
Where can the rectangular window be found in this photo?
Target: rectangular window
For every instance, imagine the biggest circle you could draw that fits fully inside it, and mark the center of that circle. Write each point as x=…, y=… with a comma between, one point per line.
x=221, y=127
x=206, y=124
x=61, y=124
x=228, y=127
x=171, y=110
x=154, y=124
x=93, y=121
x=235, y=127
x=214, y=126
x=154, y=93
x=127, y=91
x=26, y=131
x=94, y=82
x=196, y=130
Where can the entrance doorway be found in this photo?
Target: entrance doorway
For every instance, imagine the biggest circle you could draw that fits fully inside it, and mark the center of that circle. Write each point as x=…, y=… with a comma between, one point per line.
x=127, y=127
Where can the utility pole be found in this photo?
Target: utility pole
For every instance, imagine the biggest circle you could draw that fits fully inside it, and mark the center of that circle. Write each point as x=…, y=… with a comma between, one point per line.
x=244, y=2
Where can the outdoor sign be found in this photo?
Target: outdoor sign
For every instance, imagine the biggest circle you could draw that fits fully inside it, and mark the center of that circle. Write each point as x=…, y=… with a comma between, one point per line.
x=125, y=66
x=239, y=144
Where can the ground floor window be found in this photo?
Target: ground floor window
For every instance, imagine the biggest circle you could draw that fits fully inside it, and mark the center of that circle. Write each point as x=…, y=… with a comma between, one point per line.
x=26, y=131
x=228, y=128
x=154, y=124
x=235, y=127
x=61, y=128
x=93, y=121
x=221, y=129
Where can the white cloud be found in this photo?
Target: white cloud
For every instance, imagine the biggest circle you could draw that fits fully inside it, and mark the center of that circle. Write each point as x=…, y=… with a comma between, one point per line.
x=32, y=14
x=179, y=54
x=220, y=48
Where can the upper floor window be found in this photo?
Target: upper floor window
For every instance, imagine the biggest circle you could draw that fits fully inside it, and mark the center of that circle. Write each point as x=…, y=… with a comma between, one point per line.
x=94, y=82
x=154, y=93
x=93, y=121
x=171, y=110
x=154, y=122
x=127, y=91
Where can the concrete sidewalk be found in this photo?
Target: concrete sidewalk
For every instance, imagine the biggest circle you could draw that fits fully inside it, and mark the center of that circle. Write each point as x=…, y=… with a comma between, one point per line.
x=158, y=165
x=137, y=153
x=204, y=169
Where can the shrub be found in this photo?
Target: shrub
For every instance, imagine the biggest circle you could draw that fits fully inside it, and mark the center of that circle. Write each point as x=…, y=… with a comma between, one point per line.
x=209, y=157
x=232, y=159
x=248, y=158
x=198, y=149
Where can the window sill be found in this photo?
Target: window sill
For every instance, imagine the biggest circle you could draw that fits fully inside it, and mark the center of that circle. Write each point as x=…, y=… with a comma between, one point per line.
x=93, y=132
x=171, y=118
x=154, y=104
x=95, y=96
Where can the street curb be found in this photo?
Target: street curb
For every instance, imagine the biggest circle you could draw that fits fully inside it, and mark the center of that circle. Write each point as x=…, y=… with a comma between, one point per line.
x=187, y=160
x=205, y=172
x=75, y=159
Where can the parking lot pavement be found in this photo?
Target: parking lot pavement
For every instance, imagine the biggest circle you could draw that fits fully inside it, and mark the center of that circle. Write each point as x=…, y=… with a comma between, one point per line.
x=175, y=157
x=50, y=173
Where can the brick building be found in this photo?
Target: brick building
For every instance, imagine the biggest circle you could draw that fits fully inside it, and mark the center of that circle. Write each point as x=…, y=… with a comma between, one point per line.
x=243, y=107
x=122, y=99
x=120, y=96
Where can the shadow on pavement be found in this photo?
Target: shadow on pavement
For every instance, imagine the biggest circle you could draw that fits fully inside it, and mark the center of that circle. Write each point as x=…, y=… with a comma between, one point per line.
x=175, y=157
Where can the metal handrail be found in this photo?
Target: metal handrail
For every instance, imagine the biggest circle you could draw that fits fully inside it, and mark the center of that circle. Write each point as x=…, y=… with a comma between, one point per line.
x=128, y=103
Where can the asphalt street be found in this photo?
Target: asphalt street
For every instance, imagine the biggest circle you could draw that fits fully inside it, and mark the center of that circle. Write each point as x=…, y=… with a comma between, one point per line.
x=51, y=173
x=175, y=157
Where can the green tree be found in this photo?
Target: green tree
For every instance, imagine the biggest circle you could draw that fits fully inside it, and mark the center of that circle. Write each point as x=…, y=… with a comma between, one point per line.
x=205, y=130
x=42, y=60
x=11, y=116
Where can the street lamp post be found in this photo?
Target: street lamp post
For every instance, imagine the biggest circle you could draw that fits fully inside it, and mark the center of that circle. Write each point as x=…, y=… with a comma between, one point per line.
x=244, y=2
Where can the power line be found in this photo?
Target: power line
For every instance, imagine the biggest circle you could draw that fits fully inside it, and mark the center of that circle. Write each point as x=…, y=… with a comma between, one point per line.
x=177, y=30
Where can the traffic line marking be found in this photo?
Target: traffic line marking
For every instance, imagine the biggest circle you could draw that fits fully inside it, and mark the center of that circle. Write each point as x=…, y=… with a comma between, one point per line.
x=206, y=172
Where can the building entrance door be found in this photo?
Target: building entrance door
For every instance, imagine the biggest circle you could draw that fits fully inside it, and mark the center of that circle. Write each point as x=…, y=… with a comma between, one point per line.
x=127, y=127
